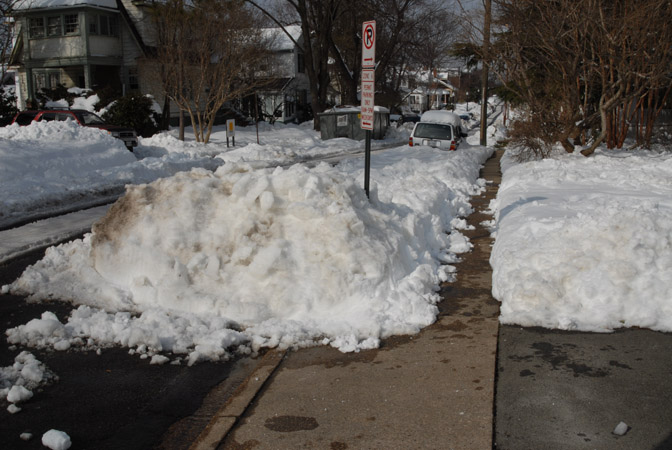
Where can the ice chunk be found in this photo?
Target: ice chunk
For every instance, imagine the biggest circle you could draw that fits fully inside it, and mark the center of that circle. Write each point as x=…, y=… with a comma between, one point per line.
x=56, y=440
x=18, y=394
x=621, y=429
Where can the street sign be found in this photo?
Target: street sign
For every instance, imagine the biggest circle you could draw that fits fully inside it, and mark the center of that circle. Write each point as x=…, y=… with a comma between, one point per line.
x=231, y=131
x=369, y=44
x=367, y=93
x=230, y=127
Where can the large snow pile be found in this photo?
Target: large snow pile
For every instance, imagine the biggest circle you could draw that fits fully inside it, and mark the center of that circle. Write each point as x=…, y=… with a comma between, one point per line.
x=207, y=263
x=586, y=243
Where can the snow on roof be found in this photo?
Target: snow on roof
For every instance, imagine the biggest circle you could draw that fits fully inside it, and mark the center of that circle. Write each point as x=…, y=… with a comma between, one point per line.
x=441, y=117
x=40, y=4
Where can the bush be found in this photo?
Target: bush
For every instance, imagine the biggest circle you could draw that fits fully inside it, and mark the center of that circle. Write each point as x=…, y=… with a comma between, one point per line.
x=106, y=96
x=8, y=107
x=59, y=92
x=134, y=111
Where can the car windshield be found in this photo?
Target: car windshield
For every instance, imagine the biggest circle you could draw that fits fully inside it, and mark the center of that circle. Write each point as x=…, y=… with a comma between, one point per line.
x=88, y=118
x=25, y=118
x=433, y=131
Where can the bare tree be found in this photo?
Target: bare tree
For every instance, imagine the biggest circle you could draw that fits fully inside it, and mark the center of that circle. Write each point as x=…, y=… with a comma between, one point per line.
x=208, y=52
x=411, y=34
x=6, y=33
x=316, y=18
x=575, y=64
x=631, y=50
x=332, y=32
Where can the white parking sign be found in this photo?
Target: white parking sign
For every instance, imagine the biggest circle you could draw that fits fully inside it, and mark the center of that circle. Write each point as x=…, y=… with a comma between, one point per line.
x=368, y=73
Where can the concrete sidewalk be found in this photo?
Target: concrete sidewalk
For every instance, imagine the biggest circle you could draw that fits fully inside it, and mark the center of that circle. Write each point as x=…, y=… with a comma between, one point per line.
x=431, y=390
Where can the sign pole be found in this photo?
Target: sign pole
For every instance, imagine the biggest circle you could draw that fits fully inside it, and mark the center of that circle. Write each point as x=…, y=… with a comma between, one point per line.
x=367, y=162
x=368, y=91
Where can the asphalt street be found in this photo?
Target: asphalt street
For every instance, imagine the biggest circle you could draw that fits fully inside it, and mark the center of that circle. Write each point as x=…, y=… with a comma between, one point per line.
x=109, y=401
x=569, y=390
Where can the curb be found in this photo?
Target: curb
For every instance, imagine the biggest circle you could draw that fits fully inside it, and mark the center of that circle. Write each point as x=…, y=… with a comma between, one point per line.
x=224, y=420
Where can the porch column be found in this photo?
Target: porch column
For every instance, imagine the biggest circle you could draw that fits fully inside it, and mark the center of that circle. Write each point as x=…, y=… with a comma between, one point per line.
x=30, y=87
x=87, y=77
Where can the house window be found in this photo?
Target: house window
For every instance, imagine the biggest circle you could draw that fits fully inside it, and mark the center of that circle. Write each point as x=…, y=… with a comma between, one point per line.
x=114, y=25
x=40, y=80
x=133, y=82
x=71, y=23
x=54, y=26
x=93, y=24
x=54, y=79
x=36, y=26
x=301, y=63
x=46, y=79
x=104, y=25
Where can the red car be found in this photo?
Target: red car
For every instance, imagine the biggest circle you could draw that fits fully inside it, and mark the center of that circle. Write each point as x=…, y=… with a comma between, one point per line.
x=82, y=117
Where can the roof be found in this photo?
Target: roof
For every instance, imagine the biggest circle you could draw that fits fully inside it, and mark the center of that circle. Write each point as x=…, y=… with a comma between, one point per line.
x=24, y=5
x=437, y=116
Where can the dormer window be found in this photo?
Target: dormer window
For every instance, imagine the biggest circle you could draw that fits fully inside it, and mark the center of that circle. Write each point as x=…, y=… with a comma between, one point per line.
x=54, y=26
x=36, y=26
x=103, y=25
x=71, y=23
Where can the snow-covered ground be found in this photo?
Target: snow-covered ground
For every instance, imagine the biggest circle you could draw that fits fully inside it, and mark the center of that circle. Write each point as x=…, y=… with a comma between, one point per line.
x=204, y=263
x=215, y=251
x=236, y=254
x=50, y=166
x=586, y=243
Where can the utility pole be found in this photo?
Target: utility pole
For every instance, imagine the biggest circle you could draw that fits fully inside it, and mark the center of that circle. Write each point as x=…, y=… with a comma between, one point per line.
x=484, y=76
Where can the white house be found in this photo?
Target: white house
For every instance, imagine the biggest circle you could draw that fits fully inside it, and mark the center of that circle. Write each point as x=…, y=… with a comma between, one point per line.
x=286, y=95
x=428, y=89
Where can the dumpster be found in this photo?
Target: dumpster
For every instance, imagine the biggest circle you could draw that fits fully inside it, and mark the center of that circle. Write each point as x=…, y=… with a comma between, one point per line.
x=346, y=122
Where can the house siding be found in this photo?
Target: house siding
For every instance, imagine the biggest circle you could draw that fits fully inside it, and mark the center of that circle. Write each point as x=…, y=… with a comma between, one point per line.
x=105, y=46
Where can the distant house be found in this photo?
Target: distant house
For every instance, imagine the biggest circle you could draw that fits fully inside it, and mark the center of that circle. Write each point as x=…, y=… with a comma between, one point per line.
x=94, y=44
x=285, y=97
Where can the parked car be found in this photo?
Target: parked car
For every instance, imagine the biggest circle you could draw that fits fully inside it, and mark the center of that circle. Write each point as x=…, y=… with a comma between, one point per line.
x=438, y=129
x=410, y=117
x=82, y=117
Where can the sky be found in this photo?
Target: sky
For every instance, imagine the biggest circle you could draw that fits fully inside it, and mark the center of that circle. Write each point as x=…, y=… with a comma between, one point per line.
x=216, y=251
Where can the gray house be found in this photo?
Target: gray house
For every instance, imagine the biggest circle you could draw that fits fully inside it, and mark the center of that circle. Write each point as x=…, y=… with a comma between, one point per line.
x=79, y=43
x=94, y=44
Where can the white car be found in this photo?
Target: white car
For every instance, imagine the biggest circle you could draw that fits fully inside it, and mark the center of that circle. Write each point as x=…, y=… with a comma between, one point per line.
x=438, y=129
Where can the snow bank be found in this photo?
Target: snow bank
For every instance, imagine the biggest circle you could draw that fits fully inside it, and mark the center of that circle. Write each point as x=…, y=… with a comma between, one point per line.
x=50, y=164
x=208, y=263
x=586, y=243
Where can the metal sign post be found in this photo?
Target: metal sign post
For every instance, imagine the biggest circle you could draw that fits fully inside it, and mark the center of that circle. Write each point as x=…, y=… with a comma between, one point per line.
x=368, y=92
